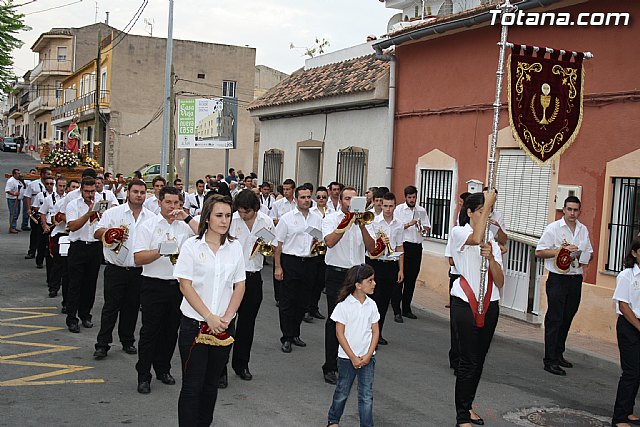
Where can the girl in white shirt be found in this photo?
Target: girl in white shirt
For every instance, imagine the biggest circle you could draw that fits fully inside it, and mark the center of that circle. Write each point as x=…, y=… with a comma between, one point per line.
x=356, y=317
x=472, y=331
x=211, y=279
x=627, y=297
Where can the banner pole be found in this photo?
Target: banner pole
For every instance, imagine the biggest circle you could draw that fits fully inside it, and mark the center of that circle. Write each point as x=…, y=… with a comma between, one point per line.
x=505, y=7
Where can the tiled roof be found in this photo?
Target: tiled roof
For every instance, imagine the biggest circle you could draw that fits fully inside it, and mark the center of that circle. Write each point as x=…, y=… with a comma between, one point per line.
x=342, y=78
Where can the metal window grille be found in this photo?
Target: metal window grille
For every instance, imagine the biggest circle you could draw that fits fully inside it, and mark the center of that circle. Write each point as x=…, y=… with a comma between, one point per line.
x=272, y=169
x=625, y=220
x=229, y=88
x=351, y=168
x=435, y=196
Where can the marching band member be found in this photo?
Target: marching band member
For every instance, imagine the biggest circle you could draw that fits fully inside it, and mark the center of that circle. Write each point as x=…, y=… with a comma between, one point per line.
x=473, y=331
x=267, y=201
x=412, y=216
x=211, y=276
x=105, y=194
x=42, y=251
x=282, y=206
x=75, y=193
x=85, y=255
x=248, y=220
x=369, y=196
x=378, y=196
x=388, y=233
x=46, y=203
x=335, y=190
x=193, y=202
x=117, y=231
x=153, y=203
x=35, y=187
x=294, y=264
x=180, y=186
x=346, y=243
x=159, y=291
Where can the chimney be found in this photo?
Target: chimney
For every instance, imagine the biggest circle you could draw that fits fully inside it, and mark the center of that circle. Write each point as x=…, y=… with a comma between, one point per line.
x=107, y=20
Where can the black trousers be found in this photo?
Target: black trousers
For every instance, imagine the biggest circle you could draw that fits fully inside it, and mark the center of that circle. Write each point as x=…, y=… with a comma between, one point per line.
x=473, y=345
x=59, y=275
x=629, y=346
x=161, y=316
x=121, y=299
x=334, y=278
x=34, y=237
x=246, y=321
x=563, y=299
x=202, y=365
x=294, y=293
x=386, y=281
x=412, y=262
x=453, y=351
x=316, y=286
x=277, y=284
x=84, y=266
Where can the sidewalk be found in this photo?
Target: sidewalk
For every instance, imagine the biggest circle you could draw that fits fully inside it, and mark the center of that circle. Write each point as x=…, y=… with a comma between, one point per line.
x=597, y=351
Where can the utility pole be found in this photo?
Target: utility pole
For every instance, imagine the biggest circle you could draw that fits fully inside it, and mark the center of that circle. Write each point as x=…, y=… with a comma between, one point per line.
x=96, y=128
x=167, y=96
x=172, y=139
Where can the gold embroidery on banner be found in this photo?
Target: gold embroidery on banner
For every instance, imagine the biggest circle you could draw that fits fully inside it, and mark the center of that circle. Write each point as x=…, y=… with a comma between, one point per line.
x=522, y=72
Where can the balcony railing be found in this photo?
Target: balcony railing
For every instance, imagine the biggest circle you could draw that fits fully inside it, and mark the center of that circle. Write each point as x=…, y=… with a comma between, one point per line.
x=42, y=102
x=52, y=66
x=78, y=106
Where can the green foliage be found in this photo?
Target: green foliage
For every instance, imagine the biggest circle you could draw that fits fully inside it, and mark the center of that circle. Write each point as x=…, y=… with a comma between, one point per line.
x=11, y=23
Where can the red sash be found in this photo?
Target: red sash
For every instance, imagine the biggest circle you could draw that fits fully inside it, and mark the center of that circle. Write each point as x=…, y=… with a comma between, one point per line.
x=473, y=302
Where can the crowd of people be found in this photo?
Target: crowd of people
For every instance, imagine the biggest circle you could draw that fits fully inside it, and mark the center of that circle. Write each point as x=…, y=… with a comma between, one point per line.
x=175, y=257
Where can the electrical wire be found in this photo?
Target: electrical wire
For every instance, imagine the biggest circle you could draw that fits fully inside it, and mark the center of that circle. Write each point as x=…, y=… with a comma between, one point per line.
x=127, y=29
x=52, y=8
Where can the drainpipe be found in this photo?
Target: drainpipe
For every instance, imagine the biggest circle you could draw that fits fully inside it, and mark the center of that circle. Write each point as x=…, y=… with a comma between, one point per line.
x=388, y=170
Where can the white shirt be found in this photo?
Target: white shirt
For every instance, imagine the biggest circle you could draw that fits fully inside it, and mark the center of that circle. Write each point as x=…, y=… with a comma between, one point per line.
x=34, y=187
x=50, y=208
x=108, y=196
x=267, y=205
x=38, y=201
x=327, y=210
x=149, y=236
x=291, y=232
x=122, y=215
x=557, y=233
x=71, y=195
x=499, y=218
x=121, y=194
x=212, y=276
x=336, y=207
x=75, y=209
x=447, y=255
x=15, y=186
x=392, y=229
x=349, y=250
x=468, y=262
x=247, y=238
x=628, y=289
x=357, y=319
x=283, y=206
x=405, y=214
x=152, y=204
x=194, y=202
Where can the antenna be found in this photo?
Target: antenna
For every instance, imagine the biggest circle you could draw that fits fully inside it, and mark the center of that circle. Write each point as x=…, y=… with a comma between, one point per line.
x=149, y=23
x=96, y=17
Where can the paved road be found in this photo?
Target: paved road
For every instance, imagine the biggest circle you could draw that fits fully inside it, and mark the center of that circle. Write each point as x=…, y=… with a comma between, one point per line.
x=413, y=386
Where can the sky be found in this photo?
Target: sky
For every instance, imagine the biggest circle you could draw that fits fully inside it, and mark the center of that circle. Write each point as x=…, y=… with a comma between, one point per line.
x=268, y=25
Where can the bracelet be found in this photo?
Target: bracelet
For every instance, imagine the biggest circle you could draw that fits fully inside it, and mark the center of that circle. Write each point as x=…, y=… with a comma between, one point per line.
x=188, y=219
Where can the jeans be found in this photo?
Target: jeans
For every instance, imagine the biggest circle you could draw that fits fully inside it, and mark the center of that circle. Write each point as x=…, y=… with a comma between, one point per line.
x=346, y=374
x=13, y=215
x=25, y=214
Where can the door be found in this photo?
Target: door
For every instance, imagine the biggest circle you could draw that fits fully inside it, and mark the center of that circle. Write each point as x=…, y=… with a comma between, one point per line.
x=309, y=165
x=522, y=273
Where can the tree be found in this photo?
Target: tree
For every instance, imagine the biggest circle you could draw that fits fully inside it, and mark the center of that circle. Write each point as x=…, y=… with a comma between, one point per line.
x=317, y=48
x=11, y=23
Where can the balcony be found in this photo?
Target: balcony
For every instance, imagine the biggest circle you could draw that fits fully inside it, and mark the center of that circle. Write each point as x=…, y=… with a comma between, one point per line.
x=84, y=105
x=47, y=67
x=42, y=104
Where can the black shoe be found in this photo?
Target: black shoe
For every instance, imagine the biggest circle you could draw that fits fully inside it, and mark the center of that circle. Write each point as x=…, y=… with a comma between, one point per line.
x=26, y=229
x=555, y=370
x=144, y=387
x=63, y=310
x=307, y=318
x=87, y=323
x=478, y=421
x=330, y=377
x=39, y=266
x=410, y=315
x=245, y=374
x=382, y=341
x=74, y=327
x=278, y=304
x=398, y=318
x=53, y=294
x=28, y=256
x=298, y=342
x=223, y=381
x=565, y=363
x=286, y=347
x=100, y=353
x=166, y=379
x=129, y=349
x=316, y=314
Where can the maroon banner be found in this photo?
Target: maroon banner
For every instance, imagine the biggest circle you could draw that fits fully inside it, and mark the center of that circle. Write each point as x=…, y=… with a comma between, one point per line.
x=545, y=100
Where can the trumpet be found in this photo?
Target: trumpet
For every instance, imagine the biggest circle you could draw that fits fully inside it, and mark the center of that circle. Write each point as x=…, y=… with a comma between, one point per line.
x=381, y=246
x=114, y=238
x=263, y=247
x=318, y=248
x=365, y=217
x=421, y=229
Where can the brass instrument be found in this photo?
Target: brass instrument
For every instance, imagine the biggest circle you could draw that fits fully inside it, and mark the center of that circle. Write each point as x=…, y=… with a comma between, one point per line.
x=365, y=217
x=381, y=246
x=114, y=238
x=263, y=247
x=421, y=229
x=174, y=258
x=318, y=248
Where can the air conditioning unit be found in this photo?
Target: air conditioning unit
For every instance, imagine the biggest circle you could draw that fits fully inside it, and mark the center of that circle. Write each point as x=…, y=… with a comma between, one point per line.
x=565, y=191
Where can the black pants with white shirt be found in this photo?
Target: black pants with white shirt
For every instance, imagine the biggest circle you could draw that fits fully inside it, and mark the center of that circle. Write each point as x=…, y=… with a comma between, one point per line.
x=161, y=316
x=34, y=237
x=563, y=299
x=386, y=282
x=334, y=278
x=629, y=346
x=121, y=299
x=59, y=277
x=316, y=286
x=246, y=323
x=84, y=262
x=294, y=294
x=412, y=262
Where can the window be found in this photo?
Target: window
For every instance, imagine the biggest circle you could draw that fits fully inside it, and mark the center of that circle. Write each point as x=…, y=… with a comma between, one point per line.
x=351, y=168
x=272, y=169
x=103, y=83
x=625, y=220
x=229, y=88
x=62, y=54
x=58, y=90
x=44, y=130
x=435, y=196
x=201, y=75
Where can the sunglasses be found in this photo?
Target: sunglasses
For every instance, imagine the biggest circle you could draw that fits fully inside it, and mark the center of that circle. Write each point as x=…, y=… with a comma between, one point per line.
x=321, y=197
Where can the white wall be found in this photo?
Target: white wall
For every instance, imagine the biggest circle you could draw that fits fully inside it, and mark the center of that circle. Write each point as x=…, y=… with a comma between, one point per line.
x=363, y=128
